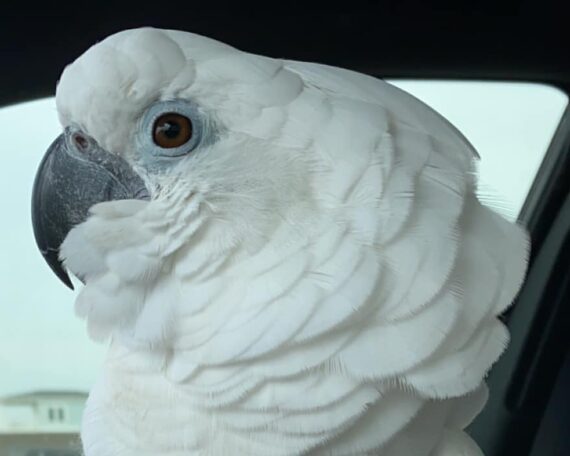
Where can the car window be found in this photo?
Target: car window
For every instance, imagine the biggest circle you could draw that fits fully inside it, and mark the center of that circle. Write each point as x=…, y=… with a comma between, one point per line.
x=47, y=361
x=509, y=123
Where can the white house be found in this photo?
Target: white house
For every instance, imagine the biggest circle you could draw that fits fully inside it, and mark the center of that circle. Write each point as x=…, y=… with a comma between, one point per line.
x=41, y=423
x=42, y=411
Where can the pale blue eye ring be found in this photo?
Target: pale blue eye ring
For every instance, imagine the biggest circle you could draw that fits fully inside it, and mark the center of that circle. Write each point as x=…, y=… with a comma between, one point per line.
x=147, y=123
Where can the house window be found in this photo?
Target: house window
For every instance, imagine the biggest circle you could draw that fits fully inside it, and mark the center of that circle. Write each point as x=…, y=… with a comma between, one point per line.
x=56, y=414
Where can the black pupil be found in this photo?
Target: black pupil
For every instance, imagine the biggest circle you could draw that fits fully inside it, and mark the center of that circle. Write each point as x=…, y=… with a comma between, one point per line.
x=170, y=129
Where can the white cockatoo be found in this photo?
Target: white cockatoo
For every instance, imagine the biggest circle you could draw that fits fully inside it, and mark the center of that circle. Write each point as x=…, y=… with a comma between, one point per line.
x=287, y=258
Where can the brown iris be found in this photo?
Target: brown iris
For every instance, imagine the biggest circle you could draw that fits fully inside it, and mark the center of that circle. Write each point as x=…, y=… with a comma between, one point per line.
x=172, y=130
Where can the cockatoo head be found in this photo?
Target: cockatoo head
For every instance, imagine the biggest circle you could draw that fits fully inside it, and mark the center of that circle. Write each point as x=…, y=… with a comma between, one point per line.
x=173, y=117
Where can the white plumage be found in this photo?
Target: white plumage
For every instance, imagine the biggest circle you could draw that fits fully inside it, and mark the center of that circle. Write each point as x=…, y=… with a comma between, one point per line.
x=319, y=279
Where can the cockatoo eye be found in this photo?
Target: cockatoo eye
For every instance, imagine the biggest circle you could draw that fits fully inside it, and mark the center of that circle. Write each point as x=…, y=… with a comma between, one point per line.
x=172, y=130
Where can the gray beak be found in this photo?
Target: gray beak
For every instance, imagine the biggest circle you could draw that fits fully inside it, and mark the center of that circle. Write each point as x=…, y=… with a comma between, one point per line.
x=75, y=174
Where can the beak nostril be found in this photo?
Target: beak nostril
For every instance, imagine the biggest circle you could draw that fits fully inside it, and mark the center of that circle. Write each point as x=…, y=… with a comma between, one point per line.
x=80, y=141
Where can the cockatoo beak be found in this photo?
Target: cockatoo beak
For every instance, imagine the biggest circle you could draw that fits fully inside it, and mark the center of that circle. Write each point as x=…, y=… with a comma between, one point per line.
x=75, y=174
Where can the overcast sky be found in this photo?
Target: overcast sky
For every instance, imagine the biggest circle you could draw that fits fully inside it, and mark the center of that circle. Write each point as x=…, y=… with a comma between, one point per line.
x=44, y=346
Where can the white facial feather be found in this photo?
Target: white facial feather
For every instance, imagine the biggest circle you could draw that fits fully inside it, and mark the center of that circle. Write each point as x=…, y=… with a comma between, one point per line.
x=319, y=278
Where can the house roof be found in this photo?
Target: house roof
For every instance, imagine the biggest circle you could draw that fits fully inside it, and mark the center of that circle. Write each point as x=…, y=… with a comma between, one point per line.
x=33, y=396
